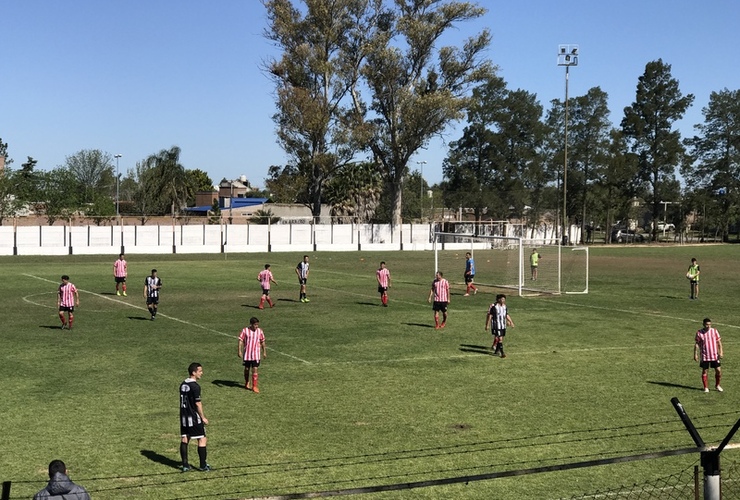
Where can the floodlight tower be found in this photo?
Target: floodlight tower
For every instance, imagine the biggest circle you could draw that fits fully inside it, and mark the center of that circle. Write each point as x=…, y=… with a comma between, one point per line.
x=567, y=56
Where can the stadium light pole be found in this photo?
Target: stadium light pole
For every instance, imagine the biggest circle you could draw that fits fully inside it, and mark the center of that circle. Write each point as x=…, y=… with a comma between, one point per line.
x=421, y=188
x=118, y=212
x=567, y=56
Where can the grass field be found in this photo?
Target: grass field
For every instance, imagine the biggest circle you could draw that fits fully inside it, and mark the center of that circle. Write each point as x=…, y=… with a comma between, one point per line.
x=354, y=394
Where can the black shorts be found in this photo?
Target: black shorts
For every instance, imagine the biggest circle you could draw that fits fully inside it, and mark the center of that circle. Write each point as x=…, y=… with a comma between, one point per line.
x=120, y=279
x=302, y=281
x=498, y=333
x=710, y=364
x=265, y=291
x=195, y=431
x=382, y=289
x=439, y=306
x=469, y=278
x=152, y=300
x=251, y=363
x=66, y=309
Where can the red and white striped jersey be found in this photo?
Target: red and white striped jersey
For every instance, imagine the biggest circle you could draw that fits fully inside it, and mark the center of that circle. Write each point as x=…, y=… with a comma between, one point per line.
x=67, y=295
x=265, y=277
x=119, y=268
x=252, y=340
x=384, y=277
x=707, y=342
x=441, y=289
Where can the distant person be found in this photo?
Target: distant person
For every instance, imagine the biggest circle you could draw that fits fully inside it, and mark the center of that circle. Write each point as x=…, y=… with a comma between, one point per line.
x=265, y=277
x=440, y=292
x=251, y=351
x=67, y=298
x=693, y=276
x=152, y=285
x=709, y=344
x=469, y=275
x=192, y=419
x=498, y=319
x=383, y=275
x=302, y=271
x=120, y=271
x=60, y=486
x=534, y=263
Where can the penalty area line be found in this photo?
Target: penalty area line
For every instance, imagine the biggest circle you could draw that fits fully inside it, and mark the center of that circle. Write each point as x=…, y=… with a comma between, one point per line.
x=184, y=322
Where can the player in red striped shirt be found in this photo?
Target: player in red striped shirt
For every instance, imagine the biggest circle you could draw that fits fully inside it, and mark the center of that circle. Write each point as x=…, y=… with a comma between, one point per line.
x=384, y=283
x=709, y=343
x=120, y=271
x=265, y=277
x=66, y=298
x=251, y=346
x=441, y=293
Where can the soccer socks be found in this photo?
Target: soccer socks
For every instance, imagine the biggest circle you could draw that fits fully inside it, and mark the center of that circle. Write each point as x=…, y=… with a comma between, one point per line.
x=202, y=455
x=254, y=383
x=262, y=303
x=717, y=378
x=704, y=379
x=270, y=302
x=184, y=454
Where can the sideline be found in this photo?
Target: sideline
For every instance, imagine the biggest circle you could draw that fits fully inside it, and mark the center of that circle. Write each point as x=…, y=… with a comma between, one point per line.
x=185, y=322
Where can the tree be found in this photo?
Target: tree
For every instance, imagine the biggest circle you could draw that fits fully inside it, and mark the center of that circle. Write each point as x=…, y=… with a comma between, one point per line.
x=26, y=181
x=414, y=98
x=648, y=125
x=285, y=184
x=354, y=194
x=94, y=172
x=57, y=194
x=716, y=153
x=167, y=182
x=321, y=50
x=197, y=180
x=617, y=183
x=4, y=152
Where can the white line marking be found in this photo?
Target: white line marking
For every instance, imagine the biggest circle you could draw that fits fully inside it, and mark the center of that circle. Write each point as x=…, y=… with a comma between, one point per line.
x=195, y=325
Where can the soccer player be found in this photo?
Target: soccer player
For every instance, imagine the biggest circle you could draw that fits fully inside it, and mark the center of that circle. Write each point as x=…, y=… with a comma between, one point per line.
x=265, y=277
x=469, y=275
x=302, y=271
x=152, y=285
x=534, y=262
x=192, y=420
x=693, y=275
x=441, y=293
x=67, y=297
x=251, y=346
x=709, y=343
x=120, y=270
x=383, y=276
x=498, y=319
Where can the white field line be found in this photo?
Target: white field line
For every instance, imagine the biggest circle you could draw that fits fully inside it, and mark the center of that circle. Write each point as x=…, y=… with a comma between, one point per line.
x=140, y=308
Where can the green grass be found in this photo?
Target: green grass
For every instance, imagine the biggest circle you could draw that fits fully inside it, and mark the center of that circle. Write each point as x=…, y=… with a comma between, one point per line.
x=354, y=394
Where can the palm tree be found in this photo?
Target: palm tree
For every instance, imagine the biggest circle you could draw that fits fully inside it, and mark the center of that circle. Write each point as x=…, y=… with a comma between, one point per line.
x=168, y=180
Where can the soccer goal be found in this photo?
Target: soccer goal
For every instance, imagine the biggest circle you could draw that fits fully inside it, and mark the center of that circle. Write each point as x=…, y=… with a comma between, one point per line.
x=505, y=262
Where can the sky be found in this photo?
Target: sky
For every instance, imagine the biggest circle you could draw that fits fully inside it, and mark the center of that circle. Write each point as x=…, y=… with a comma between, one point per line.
x=137, y=76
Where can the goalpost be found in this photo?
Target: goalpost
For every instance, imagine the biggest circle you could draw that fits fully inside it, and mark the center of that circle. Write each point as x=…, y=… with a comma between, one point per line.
x=504, y=262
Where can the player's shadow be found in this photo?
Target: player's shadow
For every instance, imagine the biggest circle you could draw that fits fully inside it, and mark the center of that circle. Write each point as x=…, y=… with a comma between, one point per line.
x=227, y=383
x=368, y=304
x=106, y=293
x=422, y=325
x=251, y=306
x=160, y=459
x=288, y=300
x=679, y=386
x=139, y=318
x=476, y=349
x=51, y=327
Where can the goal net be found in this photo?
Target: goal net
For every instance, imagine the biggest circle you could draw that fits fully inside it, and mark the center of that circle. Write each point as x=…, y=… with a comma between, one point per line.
x=506, y=262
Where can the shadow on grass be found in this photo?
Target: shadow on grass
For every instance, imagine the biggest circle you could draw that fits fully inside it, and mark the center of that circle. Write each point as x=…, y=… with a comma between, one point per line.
x=50, y=327
x=140, y=318
x=160, y=459
x=679, y=386
x=368, y=304
x=107, y=293
x=227, y=383
x=288, y=300
x=476, y=349
x=422, y=325
x=250, y=306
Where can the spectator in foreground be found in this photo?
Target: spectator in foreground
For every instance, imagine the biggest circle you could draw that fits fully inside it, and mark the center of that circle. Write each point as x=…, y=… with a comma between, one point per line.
x=60, y=486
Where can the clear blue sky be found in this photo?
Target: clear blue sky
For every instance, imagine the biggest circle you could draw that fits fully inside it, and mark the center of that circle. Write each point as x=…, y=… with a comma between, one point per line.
x=137, y=76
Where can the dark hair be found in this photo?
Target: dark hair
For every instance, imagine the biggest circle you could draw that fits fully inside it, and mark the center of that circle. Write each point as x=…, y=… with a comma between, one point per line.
x=440, y=273
x=56, y=466
x=193, y=368
x=65, y=277
x=253, y=320
x=305, y=256
x=120, y=255
x=693, y=259
x=706, y=320
x=382, y=262
x=154, y=271
x=267, y=266
x=500, y=296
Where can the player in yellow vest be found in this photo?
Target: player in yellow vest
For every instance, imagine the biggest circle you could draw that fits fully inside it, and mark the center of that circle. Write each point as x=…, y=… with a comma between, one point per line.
x=534, y=261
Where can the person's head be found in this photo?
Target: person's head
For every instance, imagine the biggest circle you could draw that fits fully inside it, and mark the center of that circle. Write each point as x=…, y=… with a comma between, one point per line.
x=56, y=466
x=305, y=258
x=693, y=260
x=267, y=266
x=439, y=274
x=65, y=278
x=534, y=250
x=467, y=254
x=120, y=256
x=707, y=323
x=254, y=323
x=154, y=272
x=195, y=370
x=501, y=298
x=382, y=264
